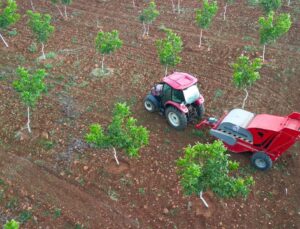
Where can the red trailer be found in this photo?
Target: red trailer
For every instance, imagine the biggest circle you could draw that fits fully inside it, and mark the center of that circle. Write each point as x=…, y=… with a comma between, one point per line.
x=267, y=136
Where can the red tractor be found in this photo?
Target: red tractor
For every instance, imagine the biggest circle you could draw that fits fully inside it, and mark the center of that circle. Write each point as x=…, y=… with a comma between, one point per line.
x=178, y=98
x=267, y=136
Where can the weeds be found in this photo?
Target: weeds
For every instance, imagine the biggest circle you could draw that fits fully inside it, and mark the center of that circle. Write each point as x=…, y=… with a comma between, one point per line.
x=24, y=216
x=32, y=47
x=57, y=213
x=142, y=191
x=12, y=33
x=113, y=195
x=12, y=203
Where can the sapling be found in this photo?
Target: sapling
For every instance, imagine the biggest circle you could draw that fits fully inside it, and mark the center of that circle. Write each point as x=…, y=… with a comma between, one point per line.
x=107, y=43
x=246, y=73
x=272, y=27
x=227, y=2
x=122, y=133
x=270, y=5
x=207, y=167
x=148, y=16
x=169, y=49
x=66, y=3
x=12, y=224
x=205, y=16
x=40, y=25
x=30, y=88
x=8, y=16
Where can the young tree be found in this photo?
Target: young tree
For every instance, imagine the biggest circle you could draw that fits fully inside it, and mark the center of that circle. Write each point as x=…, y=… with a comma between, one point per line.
x=40, y=24
x=168, y=49
x=207, y=167
x=66, y=3
x=12, y=224
x=148, y=16
x=245, y=73
x=107, y=43
x=122, y=133
x=205, y=16
x=270, y=5
x=228, y=2
x=30, y=87
x=271, y=28
x=8, y=16
x=178, y=6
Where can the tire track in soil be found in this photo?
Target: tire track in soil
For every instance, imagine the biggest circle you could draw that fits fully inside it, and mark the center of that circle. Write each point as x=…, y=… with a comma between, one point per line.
x=77, y=205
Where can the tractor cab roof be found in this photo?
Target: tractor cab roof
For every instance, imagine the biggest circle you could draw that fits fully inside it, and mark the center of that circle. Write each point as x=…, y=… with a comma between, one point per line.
x=180, y=80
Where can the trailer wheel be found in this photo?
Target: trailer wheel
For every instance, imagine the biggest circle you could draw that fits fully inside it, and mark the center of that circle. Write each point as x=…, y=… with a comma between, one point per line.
x=261, y=161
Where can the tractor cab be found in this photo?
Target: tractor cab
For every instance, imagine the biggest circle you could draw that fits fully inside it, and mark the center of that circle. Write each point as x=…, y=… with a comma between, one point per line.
x=178, y=97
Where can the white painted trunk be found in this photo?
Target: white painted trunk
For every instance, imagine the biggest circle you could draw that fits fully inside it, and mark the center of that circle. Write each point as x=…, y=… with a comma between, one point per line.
x=289, y=2
x=264, y=51
x=133, y=3
x=173, y=6
x=3, y=40
x=203, y=200
x=102, y=63
x=225, y=10
x=32, y=6
x=61, y=14
x=147, y=33
x=115, y=156
x=178, y=6
x=28, y=120
x=43, y=53
x=245, y=99
x=166, y=70
x=200, y=39
x=144, y=28
x=66, y=15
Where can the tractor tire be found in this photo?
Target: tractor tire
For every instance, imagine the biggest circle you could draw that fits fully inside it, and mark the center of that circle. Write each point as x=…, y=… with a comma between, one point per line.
x=261, y=161
x=149, y=105
x=200, y=111
x=176, y=118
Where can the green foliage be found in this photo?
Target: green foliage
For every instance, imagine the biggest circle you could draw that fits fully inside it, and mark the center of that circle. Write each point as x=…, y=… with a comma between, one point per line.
x=30, y=86
x=245, y=72
x=40, y=24
x=108, y=42
x=205, y=15
x=207, y=167
x=149, y=14
x=169, y=48
x=12, y=224
x=25, y=216
x=32, y=47
x=271, y=27
x=12, y=33
x=122, y=133
x=270, y=5
x=8, y=15
x=66, y=2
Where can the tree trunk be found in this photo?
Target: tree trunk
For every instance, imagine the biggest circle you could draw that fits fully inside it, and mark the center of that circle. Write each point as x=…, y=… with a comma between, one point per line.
x=289, y=2
x=178, y=6
x=200, y=39
x=32, y=6
x=115, y=156
x=203, y=200
x=147, y=33
x=133, y=3
x=246, y=97
x=61, y=14
x=166, y=70
x=173, y=6
x=3, y=40
x=43, y=53
x=264, y=50
x=28, y=120
x=225, y=9
x=66, y=15
x=102, y=63
x=144, y=28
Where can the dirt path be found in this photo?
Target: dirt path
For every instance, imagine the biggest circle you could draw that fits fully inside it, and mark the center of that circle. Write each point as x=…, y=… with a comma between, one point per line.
x=51, y=190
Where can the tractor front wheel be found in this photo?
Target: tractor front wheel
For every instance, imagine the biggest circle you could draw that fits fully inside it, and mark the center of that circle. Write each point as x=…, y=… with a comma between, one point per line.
x=261, y=161
x=200, y=110
x=176, y=118
x=149, y=105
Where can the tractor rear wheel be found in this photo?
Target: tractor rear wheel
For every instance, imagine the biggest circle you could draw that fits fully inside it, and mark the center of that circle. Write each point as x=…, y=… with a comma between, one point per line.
x=176, y=118
x=261, y=161
x=149, y=105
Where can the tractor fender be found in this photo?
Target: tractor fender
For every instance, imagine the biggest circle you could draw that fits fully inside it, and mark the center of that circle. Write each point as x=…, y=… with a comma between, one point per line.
x=200, y=100
x=224, y=137
x=180, y=107
x=153, y=100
